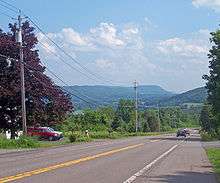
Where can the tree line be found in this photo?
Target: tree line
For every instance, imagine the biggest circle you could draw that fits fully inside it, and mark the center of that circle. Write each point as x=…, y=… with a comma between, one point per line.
x=122, y=119
x=210, y=114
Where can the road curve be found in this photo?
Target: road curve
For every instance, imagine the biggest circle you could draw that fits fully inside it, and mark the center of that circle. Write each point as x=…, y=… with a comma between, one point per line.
x=137, y=159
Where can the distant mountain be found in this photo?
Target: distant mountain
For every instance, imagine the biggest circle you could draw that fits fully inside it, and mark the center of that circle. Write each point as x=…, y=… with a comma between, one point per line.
x=148, y=95
x=198, y=95
x=110, y=95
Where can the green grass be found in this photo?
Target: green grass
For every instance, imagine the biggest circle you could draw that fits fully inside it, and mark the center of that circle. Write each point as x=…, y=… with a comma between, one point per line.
x=29, y=142
x=113, y=135
x=45, y=143
x=214, y=157
x=209, y=136
x=22, y=142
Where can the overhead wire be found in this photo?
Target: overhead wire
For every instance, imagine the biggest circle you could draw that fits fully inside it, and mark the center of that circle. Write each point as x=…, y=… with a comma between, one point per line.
x=8, y=4
x=7, y=15
x=65, y=84
x=65, y=62
x=64, y=89
x=97, y=76
x=7, y=7
x=28, y=67
x=92, y=101
x=15, y=9
x=67, y=54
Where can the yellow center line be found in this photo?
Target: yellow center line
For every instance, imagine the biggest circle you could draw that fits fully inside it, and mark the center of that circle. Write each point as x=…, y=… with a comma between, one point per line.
x=65, y=164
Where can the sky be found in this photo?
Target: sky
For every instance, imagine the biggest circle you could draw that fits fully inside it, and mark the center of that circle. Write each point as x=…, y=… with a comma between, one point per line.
x=155, y=42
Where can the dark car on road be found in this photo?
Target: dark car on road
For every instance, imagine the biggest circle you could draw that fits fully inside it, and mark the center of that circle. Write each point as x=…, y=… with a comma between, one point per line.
x=181, y=132
x=44, y=133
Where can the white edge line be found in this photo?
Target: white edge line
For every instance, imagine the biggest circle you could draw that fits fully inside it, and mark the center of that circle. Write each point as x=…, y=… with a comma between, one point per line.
x=147, y=167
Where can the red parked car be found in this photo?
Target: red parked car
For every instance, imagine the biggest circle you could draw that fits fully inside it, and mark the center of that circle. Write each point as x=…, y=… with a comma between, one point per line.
x=44, y=133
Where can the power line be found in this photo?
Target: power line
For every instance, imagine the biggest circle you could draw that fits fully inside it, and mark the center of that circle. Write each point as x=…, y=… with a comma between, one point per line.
x=67, y=54
x=69, y=66
x=61, y=86
x=7, y=7
x=97, y=76
x=12, y=6
x=64, y=61
x=28, y=67
x=61, y=80
x=5, y=14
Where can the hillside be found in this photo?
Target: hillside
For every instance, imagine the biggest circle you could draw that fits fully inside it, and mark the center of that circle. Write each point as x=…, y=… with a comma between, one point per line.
x=149, y=95
x=110, y=95
x=197, y=95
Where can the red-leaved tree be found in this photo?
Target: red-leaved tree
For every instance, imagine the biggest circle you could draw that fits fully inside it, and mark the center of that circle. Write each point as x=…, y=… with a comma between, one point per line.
x=46, y=103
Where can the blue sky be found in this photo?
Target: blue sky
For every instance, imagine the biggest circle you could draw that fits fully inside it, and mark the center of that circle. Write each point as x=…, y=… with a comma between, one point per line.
x=156, y=42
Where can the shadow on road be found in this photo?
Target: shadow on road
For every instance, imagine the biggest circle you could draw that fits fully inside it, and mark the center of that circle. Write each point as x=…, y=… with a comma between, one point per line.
x=184, y=177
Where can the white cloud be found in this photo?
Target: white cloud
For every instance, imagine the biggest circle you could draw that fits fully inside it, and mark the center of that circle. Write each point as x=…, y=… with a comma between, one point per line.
x=182, y=47
x=213, y=4
x=43, y=42
x=106, y=34
x=195, y=46
x=119, y=53
x=73, y=37
x=104, y=64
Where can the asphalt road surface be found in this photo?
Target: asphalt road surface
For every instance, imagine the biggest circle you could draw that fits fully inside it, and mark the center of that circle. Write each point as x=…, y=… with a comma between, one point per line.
x=138, y=159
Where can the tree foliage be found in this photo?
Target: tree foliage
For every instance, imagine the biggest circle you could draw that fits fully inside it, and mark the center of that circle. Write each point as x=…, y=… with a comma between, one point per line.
x=206, y=118
x=125, y=109
x=152, y=120
x=213, y=79
x=122, y=119
x=46, y=103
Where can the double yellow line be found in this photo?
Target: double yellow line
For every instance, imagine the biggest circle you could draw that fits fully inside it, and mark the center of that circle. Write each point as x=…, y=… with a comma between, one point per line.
x=65, y=164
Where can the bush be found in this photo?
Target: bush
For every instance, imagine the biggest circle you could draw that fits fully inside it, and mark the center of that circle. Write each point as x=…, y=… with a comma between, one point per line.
x=22, y=142
x=99, y=135
x=72, y=137
x=166, y=128
x=83, y=138
x=27, y=142
x=211, y=136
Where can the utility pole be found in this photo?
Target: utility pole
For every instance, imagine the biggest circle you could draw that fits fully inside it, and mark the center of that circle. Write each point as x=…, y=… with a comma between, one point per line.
x=136, y=106
x=23, y=106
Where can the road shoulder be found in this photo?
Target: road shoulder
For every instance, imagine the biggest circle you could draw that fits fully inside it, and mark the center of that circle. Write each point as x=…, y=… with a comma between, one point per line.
x=188, y=163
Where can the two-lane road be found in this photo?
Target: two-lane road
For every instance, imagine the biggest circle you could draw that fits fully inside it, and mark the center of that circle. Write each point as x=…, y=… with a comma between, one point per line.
x=137, y=159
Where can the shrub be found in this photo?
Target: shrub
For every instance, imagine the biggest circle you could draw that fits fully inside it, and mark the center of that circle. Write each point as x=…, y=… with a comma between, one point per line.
x=99, y=135
x=22, y=142
x=72, y=137
x=27, y=142
x=208, y=136
x=83, y=138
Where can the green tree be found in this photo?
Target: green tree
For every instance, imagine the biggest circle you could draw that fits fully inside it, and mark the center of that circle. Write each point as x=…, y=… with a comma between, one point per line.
x=145, y=126
x=205, y=118
x=152, y=120
x=213, y=79
x=116, y=123
x=125, y=110
x=46, y=103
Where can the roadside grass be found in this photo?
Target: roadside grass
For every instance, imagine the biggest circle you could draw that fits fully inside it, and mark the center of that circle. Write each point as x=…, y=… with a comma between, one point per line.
x=30, y=142
x=209, y=136
x=214, y=157
x=113, y=135
x=22, y=142
x=46, y=143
